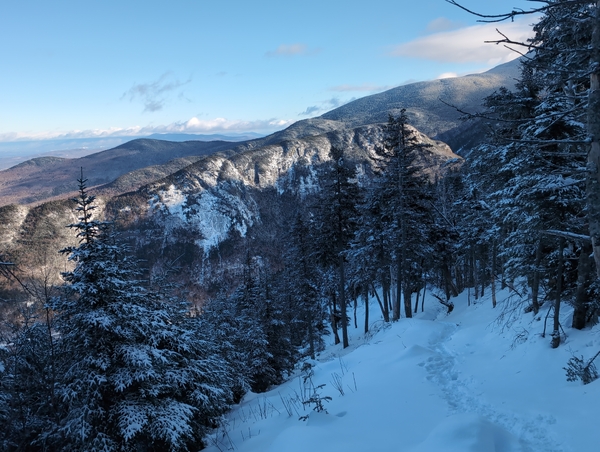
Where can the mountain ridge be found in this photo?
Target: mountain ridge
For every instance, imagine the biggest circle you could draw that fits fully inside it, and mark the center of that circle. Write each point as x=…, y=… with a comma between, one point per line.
x=142, y=161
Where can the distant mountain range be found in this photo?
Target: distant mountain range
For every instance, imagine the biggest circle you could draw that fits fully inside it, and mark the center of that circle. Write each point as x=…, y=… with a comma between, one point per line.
x=136, y=163
x=15, y=152
x=204, y=204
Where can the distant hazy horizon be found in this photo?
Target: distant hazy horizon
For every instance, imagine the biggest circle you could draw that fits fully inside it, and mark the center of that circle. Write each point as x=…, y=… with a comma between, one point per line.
x=15, y=152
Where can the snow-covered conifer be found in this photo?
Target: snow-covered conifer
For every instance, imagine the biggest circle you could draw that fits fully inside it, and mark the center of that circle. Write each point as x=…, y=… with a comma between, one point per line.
x=136, y=373
x=336, y=221
x=404, y=203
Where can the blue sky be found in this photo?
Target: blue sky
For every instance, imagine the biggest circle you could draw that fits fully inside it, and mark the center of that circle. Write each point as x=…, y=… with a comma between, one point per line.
x=78, y=69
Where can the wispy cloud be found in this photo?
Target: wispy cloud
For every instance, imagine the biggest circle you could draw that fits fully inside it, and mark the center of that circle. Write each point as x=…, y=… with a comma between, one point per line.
x=192, y=125
x=466, y=44
x=291, y=50
x=312, y=110
x=361, y=88
x=447, y=75
x=154, y=95
x=324, y=106
x=443, y=24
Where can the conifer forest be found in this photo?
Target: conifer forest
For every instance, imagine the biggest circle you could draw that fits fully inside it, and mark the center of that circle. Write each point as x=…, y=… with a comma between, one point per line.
x=116, y=342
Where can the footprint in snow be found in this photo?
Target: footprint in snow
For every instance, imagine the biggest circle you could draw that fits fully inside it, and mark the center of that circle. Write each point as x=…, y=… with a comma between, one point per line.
x=531, y=431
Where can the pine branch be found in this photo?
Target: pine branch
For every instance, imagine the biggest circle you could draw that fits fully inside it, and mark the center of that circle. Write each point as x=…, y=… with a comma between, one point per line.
x=568, y=235
x=507, y=40
x=492, y=18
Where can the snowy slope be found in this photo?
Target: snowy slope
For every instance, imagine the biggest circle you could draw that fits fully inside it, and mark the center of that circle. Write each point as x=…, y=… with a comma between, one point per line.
x=464, y=382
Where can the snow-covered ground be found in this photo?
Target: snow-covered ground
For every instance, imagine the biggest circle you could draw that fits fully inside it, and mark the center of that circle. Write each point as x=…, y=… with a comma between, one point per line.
x=464, y=382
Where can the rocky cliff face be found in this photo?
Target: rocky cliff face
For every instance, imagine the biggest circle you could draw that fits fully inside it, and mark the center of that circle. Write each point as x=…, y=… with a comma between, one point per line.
x=211, y=214
x=215, y=195
x=205, y=217
x=202, y=207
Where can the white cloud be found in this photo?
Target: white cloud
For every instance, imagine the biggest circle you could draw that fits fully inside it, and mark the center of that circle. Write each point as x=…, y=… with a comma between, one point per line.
x=192, y=125
x=467, y=44
x=447, y=75
x=195, y=125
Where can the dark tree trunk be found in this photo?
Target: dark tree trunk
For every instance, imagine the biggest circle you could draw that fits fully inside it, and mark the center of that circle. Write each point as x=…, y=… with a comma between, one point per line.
x=417, y=301
x=474, y=275
x=493, y=280
x=535, y=286
x=366, y=298
x=407, y=303
x=559, y=277
x=382, y=306
x=334, y=319
x=593, y=126
x=311, y=335
x=386, y=300
x=343, y=302
x=354, y=311
x=449, y=286
x=399, y=282
x=584, y=279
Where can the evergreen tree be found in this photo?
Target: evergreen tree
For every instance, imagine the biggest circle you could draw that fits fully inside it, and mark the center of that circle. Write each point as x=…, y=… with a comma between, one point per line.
x=532, y=173
x=306, y=308
x=27, y=402
x=555, y=150
x=444, y=232
x=136, y=373
x=404, y=203
x=251, y=331
x=335, y=222
x=370, y=257
x=251, y=336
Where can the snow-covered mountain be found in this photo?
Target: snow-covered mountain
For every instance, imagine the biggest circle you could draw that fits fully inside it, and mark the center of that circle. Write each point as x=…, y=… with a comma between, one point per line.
x=209, y=200
x=475, y=380
x=143, y=161
x=429, y=104
x=213, y=208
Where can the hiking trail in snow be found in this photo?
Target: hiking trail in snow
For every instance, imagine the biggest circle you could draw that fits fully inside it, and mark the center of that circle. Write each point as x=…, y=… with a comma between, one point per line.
x=532, y=432
x=432, y=383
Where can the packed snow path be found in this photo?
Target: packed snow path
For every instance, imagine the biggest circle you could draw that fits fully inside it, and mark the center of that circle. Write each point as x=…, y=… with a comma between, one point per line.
x=469, y=408
x=435, y=383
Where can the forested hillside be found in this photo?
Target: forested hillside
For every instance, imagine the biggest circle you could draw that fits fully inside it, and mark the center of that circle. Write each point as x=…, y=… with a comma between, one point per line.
x=168, y=304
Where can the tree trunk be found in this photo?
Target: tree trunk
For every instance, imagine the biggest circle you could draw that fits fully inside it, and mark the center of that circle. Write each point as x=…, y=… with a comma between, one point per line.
x=355, y=308
x=593, y=126
x=334, y=323
x=474, y=274
x=386, y=302
x=459, y=277
x=366, y=298
x=584, y=273
x=343, y=301
x=535, y=286
x=449, y=286
x=417, y=301
x=559, y=277
x=407, y=301
x=493, y=280
x=398, y=296
x=311, y=335
x=382, y=306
